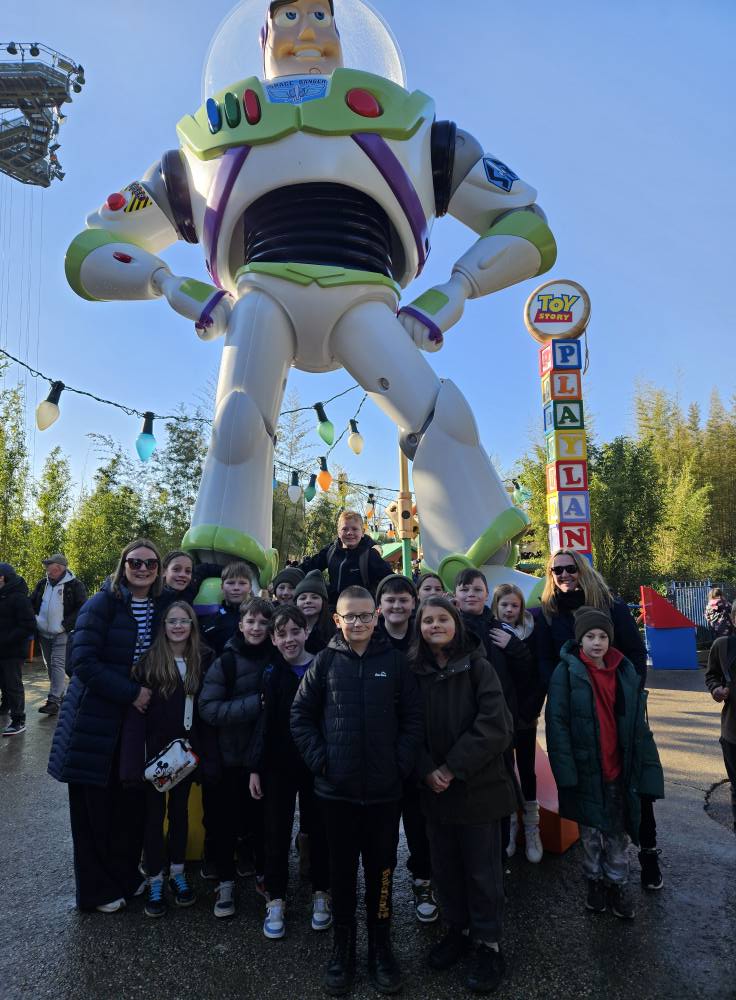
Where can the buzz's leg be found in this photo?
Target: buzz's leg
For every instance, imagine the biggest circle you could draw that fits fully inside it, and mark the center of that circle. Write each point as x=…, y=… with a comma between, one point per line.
x=467, y=517
x=232, y=516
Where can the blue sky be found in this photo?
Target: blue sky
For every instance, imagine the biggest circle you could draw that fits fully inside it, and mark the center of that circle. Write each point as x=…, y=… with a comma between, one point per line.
x=619, y=113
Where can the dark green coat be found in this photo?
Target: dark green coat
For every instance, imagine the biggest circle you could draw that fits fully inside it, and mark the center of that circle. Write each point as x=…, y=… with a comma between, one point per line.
x=467, y=725
x=573, y=744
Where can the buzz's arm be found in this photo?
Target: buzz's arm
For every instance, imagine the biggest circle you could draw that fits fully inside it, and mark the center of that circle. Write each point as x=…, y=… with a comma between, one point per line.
x=115, y=258
x=515, y=241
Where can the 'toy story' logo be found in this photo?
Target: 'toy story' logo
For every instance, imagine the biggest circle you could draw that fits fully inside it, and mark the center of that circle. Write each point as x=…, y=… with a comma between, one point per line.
x=557, y=310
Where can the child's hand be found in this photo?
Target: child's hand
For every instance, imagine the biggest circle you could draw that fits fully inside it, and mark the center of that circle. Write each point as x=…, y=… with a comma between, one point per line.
x=141, y=702
x=720, y=693
x=255, y=786
x=437, y=781
x=447, y=774
x=500, y=637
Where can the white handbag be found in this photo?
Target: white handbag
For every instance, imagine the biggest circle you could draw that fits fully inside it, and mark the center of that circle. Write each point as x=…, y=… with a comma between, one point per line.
x=176, y=761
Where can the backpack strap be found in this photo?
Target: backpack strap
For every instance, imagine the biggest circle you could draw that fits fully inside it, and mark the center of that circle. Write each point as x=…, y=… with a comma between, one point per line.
x=330, y=553
x=363, y=567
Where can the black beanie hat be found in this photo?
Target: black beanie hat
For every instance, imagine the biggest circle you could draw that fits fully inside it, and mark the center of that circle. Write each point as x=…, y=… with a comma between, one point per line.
x=313, y=583
x=589, y=618
x=289, y=574
x=405, y=587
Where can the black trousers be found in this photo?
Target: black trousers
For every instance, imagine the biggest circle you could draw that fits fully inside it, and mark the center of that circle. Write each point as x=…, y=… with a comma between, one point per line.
x=468, y=879
x=415, y=830
x=228, y=801
x=107, y=833
x=158, y=804
x=729, y=759
x=280, y=790
x=648, y=824
x=370, y=832
x=525, y=748
x=11, y=683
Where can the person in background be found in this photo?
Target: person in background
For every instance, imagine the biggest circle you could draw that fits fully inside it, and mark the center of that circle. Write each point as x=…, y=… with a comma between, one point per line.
x=284, y=584
x=718, y=613
x=351, y=560
x=570, y=583
x=602, y=754
x=238, y=585
x=310, y=596
x=56, y=599
x=114, y=629
x=397, y=605
x=17, y=623
x=429, y=585
x=182, y=579
x=720, y=682
x=359, y=760
x=466, y=789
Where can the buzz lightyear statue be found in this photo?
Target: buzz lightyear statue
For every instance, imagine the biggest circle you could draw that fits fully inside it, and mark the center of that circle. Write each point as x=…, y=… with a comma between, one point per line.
x=313, y=193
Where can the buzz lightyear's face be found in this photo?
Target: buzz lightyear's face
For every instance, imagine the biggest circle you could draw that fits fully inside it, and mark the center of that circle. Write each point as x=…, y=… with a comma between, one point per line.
x=301, y=38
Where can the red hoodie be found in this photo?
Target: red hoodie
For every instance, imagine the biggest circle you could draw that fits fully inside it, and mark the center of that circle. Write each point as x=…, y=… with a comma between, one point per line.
x=603, y=680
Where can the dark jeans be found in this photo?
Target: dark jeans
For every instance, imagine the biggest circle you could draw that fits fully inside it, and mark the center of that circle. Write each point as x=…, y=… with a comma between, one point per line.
x=468, y=880
x=525, y=747
x=280, y=790
x=647, y=825
x=729, y=759
x=415, y=830
x=228, y=801
x=11, y=683
x=158, y=804
x=107, y=832
x=370, y=832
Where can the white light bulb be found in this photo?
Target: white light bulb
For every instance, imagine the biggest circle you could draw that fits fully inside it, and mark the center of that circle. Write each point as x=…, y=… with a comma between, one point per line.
x=46, y=415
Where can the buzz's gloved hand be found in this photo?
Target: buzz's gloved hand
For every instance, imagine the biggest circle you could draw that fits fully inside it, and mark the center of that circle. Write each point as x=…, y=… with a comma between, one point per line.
x=430, y=316
x=206, y=305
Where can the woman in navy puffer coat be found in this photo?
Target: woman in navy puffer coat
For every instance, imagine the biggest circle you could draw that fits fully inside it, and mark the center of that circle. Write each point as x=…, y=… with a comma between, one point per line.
x=113, y=630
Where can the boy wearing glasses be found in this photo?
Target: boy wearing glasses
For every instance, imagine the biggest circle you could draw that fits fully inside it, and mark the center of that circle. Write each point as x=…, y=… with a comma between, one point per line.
x=357, y=722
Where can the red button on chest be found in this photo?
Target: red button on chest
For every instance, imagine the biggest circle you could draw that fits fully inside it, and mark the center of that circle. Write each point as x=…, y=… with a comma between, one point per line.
x=363, y=103
x=116, y=201
x=252, y=107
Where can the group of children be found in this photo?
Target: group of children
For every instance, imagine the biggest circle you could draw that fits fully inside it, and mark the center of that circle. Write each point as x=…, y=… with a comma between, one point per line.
x=415, y=705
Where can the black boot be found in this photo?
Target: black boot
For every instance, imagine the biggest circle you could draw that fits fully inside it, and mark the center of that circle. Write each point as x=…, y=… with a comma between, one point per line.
x=448, y=952
x=383, y=969
x=340, y=972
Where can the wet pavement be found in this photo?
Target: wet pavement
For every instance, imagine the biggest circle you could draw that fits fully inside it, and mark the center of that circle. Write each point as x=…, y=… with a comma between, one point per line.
x=679, y=946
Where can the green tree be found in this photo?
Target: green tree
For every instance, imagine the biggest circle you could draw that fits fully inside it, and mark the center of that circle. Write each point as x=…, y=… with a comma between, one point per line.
x=626, y=511
x=532, y=474
x=679, y=550
x=52, y=495
x=14, y=481
x=171, y=482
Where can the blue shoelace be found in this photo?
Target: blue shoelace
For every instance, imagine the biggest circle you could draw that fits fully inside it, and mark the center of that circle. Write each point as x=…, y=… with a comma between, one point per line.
x=180, y=881
x=156, y=891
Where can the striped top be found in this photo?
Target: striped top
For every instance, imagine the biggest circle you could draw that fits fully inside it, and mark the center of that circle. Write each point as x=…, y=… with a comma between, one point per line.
x=142, y=611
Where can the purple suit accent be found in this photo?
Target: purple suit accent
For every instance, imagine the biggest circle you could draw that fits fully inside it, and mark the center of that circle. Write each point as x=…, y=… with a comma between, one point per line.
x=435, y=334
x=205, y=320
x=230, y=167
x=379, y=152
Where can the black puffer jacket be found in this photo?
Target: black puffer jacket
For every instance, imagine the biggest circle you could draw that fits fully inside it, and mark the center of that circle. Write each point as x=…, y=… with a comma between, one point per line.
x=232, y=695
x=357, y=721
x=277, y=750
x=513, y=681
x=17, y=620
x=100, y=690
x=344, y=567
x=467, y=726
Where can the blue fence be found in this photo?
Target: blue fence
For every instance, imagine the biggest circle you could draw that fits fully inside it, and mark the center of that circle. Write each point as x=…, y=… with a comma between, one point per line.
x=691, y=598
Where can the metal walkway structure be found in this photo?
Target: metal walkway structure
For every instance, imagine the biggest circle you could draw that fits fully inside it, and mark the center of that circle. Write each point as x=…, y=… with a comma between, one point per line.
x=35, y=83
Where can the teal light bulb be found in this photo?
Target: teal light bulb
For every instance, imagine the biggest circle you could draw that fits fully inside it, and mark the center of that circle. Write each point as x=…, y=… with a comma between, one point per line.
x=326, y=428
x=145, y=444
x=311, y=491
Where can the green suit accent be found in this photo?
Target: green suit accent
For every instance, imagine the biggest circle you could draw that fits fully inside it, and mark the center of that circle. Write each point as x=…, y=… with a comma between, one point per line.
x=79, y=249
x=326, y=276
x=403, y=114
x=573, y=744
x=529, y=226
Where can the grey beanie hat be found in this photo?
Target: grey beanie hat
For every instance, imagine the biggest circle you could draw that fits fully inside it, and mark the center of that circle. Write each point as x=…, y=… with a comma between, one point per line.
x=289, y=574
x=313, y=583
x=589, y=618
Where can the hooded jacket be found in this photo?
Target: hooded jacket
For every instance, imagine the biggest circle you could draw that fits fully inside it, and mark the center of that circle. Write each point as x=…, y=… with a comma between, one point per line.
x=467, y=726
x=573, y=744
x=721, y=672
x=17, y=620
x=357, y=721
x=344, y=567
x=73, y=595
x=231, y=697
x=100, y=691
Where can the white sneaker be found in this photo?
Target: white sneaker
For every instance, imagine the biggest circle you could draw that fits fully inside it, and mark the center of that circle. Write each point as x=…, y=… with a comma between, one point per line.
x=113, y=907
x=513, y=834
x=534, y=849
x=321, y=911
x=225, y=899
x=274, y=926
x=425, y=905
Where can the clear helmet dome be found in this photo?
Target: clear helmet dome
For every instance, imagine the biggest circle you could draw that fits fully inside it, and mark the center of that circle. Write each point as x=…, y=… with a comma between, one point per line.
x=235, y=52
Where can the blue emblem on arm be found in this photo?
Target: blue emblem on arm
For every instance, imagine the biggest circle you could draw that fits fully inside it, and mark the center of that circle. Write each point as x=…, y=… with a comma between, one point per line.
x=297, y=91
x=499, y=174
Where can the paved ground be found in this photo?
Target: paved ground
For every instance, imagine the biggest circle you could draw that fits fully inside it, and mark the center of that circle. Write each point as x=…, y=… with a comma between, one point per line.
x=680, y=945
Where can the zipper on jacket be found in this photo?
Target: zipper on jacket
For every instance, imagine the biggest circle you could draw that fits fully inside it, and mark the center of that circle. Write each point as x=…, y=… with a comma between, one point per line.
x=363, y=779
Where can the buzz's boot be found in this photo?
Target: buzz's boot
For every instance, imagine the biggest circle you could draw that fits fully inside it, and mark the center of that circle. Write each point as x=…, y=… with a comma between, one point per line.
x=213, y=544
